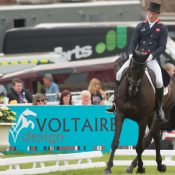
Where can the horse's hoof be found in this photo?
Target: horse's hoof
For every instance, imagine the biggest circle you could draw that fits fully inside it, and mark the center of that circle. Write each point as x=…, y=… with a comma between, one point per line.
x=107, y=171
x=161, y=168
x=129, y=171
x=141, y=170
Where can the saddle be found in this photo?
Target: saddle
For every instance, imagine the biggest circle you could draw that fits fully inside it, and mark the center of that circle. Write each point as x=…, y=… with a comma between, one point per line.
x=165, y=77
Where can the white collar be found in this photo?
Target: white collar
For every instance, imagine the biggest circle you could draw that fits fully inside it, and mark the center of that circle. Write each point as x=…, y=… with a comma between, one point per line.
x=152, y=23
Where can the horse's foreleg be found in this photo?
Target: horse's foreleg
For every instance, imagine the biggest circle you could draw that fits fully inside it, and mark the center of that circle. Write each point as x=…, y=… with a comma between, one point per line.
x=146, y=143
x=118, y=126
x=160, y=166
x=140, y=148
x=132, y=165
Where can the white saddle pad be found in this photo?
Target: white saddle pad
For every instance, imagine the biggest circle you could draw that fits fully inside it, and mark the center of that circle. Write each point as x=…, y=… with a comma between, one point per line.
x=149, y=78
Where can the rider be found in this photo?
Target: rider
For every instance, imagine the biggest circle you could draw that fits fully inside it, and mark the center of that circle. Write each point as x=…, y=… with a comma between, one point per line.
x=150, y=37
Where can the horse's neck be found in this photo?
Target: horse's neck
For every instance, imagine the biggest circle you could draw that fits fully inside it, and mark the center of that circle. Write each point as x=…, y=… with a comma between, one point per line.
x=145, y=84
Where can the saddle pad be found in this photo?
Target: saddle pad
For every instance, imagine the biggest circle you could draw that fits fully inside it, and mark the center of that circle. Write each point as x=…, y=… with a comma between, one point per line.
x=165, y=91
x=150, y=80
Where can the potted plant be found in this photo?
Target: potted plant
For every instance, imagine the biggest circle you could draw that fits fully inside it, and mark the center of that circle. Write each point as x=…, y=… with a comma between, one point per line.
x=7, y=118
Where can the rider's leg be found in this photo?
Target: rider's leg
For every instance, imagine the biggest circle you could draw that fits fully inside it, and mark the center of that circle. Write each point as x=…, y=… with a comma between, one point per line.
x=159, y=88
x=118, y=78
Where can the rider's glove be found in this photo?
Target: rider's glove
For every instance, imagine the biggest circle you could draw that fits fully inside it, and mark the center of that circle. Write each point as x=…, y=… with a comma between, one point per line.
x=130, y=56
x=150, y=57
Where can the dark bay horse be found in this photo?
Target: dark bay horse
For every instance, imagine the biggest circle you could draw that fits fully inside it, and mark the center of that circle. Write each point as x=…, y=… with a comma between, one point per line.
x=136, y=100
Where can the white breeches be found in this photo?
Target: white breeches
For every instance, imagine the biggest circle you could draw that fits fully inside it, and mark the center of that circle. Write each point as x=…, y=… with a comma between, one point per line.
x=153, y=65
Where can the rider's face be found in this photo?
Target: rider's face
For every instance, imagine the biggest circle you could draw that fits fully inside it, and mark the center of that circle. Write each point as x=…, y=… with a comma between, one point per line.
x=152, y=16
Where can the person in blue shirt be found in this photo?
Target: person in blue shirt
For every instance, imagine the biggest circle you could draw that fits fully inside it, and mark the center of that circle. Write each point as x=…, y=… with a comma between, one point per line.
x=52, y=89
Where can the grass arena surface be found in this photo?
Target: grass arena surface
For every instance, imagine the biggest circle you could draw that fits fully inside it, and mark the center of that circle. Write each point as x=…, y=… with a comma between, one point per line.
x=99, y=171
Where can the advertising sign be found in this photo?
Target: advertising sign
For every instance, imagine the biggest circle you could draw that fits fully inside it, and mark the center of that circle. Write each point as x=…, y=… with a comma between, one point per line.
x=77, y=42
x=68, y=128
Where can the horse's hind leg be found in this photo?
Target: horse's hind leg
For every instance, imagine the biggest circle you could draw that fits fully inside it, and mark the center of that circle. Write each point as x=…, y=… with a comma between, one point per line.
x=118, y=126
x=160, y=166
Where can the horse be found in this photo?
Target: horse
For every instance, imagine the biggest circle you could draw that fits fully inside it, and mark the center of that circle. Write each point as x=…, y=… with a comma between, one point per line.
x=136, y=100
x=169, y=108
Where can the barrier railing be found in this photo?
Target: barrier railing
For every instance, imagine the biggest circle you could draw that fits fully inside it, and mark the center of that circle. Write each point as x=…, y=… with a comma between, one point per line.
x=60, y=163
x=168, y=156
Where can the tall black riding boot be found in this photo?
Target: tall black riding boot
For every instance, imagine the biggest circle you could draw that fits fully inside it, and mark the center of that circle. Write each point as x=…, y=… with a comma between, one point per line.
x=159, y=111
x=112, y=109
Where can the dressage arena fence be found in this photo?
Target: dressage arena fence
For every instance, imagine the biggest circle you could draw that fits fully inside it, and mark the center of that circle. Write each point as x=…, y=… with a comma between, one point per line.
x=61, y=163
x=167, y=157
x=81, y=161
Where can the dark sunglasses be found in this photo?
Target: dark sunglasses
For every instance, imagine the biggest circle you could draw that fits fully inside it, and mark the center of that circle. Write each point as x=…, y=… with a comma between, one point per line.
x=42, y=100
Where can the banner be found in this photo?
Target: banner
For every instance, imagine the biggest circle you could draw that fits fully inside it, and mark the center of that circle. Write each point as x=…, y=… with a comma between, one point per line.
x=77, y=43
x=67, y=128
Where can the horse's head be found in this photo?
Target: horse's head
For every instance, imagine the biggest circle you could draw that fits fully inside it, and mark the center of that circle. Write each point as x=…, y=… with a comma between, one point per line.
x=28, y=112
x=136, y=71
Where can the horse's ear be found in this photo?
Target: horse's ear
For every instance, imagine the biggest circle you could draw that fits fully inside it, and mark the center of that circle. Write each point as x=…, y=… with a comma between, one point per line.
x=136, y=53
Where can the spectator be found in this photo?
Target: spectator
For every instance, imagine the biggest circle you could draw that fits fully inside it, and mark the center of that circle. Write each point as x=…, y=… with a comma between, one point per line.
x=39, y=99
x=170, y=68
x=97, y=94
x=66, y=98
x=51, y=87
x=18, y=93
x=3, y=92
x=86, y=98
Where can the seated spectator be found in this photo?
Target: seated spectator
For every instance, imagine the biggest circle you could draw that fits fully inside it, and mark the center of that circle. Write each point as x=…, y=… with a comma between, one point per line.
x=3, y=91
x=66, y=98
x=51, y=87
x=97, y=94
x=86, y=98
x=18, y=93
x=170, y=68
x=39, y=99
x=3, y=94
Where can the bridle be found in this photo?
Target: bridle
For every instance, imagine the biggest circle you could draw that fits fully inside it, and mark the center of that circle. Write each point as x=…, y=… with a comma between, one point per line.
x=134, y=84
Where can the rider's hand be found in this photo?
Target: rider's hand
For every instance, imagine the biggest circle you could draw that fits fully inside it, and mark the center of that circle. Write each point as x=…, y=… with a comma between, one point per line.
x=150, y=57
x=130, y=56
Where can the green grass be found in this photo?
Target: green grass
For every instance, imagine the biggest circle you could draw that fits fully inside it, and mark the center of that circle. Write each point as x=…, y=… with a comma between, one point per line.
x=98, y=171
